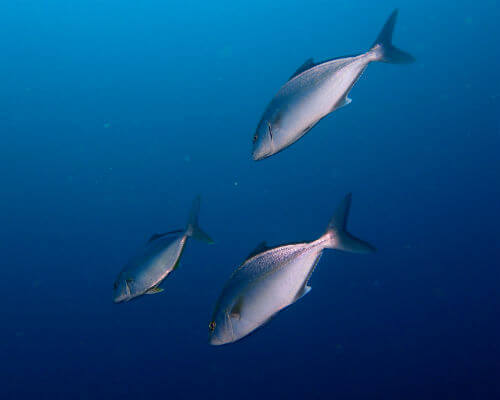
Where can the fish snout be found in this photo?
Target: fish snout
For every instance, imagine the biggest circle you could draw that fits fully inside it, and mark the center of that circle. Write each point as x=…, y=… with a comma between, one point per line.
x=259, y=153
x=118, y=299
x=121, y=297
x=213, y=337
x=214, y=340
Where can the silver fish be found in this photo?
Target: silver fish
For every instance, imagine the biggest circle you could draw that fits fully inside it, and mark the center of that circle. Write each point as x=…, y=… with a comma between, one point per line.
x=272, y=279
x=147, y=270
x=316, y=90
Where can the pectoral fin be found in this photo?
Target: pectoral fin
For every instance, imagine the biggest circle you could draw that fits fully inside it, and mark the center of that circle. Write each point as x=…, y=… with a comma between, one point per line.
x=155, y=290
x=236, y=310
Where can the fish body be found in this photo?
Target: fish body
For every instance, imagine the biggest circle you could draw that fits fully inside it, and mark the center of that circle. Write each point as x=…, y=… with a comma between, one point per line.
x=273, y=279
x=316, y=90
x=148, y=269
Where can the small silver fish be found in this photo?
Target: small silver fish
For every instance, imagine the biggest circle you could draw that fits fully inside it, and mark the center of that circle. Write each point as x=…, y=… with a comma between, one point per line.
x=147, y=270
x=272, y=279
x=316, y=90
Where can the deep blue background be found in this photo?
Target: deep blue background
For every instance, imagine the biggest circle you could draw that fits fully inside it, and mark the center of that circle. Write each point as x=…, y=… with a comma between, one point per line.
x=115, y=114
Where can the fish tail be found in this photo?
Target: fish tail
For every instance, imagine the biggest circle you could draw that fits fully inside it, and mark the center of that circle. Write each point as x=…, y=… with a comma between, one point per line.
x=337, y=236
x=193, y=230
x=383, y=49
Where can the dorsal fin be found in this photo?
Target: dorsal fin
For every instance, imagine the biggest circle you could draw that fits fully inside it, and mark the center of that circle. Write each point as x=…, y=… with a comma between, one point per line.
x=159, y=235
x=309, y=63
x=261, y=247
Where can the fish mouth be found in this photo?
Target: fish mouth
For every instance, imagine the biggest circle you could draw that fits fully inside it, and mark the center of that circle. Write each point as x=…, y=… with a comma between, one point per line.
x=215, y=341
x=257, y=156
x=124, y=298
x=118, y=300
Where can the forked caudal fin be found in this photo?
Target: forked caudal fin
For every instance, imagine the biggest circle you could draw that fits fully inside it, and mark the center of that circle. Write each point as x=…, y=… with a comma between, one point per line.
x=193, y=229
x=338, y=236
x=383, y=48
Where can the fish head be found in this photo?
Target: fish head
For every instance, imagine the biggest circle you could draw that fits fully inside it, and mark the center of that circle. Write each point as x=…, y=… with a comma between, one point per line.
x=263, y=145
x=220, y=329
x=122, y=290
x=230, y=324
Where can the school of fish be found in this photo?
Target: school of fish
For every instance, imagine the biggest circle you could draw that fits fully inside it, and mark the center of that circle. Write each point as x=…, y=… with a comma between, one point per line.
x=271, y=278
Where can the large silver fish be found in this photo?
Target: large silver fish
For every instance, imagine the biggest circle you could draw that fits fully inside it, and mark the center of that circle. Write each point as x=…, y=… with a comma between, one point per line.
x=272, y=279
x=316, y=90
x=147, y=270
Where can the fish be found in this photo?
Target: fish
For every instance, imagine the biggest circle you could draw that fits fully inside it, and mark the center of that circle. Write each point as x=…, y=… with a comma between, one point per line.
x=146, y=271
x=316, y=90
x=272, y=279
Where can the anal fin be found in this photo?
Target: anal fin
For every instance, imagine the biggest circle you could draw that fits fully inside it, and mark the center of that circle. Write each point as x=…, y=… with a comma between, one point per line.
x=344, y=102
x=305, y=289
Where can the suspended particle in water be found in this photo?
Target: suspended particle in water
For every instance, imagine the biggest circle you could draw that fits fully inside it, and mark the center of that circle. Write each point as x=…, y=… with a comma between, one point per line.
x=106, y=125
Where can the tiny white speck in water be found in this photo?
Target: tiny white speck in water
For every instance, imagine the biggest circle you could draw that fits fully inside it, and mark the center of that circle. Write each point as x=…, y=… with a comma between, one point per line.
x=236, y=183
x=107, y=125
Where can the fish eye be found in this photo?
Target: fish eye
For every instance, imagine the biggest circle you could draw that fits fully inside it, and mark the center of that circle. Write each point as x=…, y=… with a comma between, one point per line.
x=211, y=326
x=255, y=137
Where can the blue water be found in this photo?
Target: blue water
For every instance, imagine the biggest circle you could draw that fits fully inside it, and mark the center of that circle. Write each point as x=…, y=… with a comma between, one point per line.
x=115, y=114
